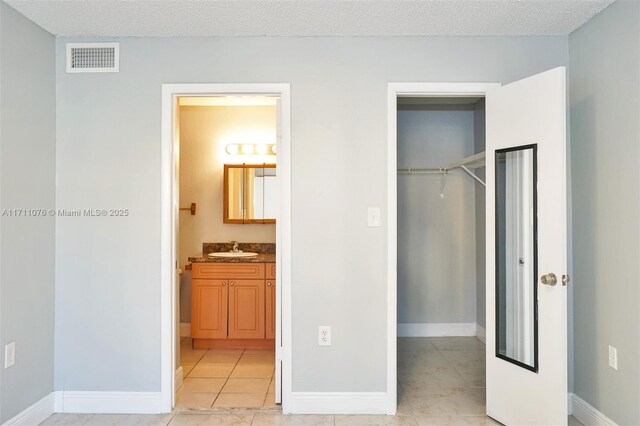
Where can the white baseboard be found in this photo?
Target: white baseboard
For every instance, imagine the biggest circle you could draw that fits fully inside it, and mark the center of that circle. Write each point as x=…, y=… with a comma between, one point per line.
x=185, y=329
x=36, y=413
x=481, y=334
x=586, y=413
x=108, y=402
x=337, y=403
x=437, y=330
x=179, y=380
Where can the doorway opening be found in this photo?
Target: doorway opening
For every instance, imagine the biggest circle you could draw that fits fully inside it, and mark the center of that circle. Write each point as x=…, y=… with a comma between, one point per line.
x=526, y=316
x=437, y=249
x=441, y=255
x=226, y=235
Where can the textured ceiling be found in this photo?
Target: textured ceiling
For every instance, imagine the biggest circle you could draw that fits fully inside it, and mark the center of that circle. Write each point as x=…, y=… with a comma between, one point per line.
x=308, y=17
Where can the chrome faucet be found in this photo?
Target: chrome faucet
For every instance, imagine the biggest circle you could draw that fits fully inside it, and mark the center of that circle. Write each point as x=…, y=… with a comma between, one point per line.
x=235, y=246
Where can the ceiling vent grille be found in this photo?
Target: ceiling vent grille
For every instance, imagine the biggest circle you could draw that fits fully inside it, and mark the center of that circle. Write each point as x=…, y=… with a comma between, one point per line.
x=93, y=57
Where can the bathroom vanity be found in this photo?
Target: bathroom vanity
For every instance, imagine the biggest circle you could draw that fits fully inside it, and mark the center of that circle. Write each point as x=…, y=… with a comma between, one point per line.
x=233, y=302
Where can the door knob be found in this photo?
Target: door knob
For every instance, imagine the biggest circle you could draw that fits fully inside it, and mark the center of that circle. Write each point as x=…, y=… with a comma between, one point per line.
x=549, y=279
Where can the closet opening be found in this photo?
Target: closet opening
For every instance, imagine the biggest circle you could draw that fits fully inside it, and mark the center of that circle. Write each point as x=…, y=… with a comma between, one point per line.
x=440, y=143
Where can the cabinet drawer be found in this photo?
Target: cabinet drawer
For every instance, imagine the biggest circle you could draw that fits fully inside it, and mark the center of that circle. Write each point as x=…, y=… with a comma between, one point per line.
x=271, y=271
x=228, y=270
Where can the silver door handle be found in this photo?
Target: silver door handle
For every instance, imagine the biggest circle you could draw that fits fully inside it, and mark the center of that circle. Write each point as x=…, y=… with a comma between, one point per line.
x=549, y=279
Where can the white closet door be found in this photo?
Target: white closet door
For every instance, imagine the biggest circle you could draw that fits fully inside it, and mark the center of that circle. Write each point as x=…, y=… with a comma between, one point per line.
x=526, y=240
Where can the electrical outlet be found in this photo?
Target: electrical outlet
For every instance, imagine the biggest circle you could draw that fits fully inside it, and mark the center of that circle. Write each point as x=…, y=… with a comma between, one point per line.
x=9, y=354
x=373, y=217
x=613, y=357
x=324, y=335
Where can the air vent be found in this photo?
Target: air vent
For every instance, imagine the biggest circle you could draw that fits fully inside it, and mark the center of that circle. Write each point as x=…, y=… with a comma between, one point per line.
x=93, y=57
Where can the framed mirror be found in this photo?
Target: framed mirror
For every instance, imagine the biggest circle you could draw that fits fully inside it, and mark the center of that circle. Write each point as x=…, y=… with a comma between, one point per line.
x=517, y=256
x=250, y=193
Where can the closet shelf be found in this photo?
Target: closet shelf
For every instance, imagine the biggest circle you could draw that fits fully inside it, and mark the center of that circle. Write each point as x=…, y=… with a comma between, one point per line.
x=466, y=164
x=472, y=162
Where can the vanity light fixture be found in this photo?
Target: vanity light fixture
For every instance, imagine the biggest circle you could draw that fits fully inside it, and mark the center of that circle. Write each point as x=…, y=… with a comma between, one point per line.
x=251, y=149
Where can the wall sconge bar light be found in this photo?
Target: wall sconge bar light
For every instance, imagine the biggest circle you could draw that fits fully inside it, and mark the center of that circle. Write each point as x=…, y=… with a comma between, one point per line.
x=251, y=149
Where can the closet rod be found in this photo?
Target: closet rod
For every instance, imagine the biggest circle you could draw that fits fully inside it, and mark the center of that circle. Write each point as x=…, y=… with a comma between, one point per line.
x=474, y=161
x=411, y=171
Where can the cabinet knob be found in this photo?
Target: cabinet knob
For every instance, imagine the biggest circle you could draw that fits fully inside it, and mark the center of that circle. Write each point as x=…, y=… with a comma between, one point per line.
x=224, y=284
x=269, y=284
x=231, y=284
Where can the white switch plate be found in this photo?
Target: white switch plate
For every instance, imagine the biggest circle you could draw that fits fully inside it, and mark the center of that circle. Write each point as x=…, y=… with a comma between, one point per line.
x=373, y=216
x=9, y=354
x=324, y=335
x=613, y=357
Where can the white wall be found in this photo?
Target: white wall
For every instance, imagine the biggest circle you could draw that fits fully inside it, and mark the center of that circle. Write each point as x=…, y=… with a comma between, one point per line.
x=436, y=237
x=108, y=154
x=27, y=181
x=605, y=150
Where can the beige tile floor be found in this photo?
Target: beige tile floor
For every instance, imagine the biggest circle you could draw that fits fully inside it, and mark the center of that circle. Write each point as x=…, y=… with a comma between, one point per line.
x=226, y=378
x=440, y=382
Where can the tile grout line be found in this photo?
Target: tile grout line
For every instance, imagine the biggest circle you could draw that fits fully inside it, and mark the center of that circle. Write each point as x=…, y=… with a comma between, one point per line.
x=227, y=379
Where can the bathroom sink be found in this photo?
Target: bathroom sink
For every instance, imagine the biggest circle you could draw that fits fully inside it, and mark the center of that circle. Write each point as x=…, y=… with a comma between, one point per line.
x=233, y=254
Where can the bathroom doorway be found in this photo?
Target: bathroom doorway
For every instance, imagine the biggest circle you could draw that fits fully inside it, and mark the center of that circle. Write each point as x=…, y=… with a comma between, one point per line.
x=227, y=217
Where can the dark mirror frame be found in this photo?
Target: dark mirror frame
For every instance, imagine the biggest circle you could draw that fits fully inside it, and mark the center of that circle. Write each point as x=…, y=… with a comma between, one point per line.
x=534, y=147
x=225, y=203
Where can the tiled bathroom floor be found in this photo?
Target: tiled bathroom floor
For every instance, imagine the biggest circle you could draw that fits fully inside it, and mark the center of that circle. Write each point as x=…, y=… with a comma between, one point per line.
x=225, y=378
x=441, y=382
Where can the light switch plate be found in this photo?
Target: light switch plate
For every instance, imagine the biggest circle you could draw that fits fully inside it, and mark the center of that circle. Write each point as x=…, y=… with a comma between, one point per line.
x=613, y=357
x=9, y=354
x=373, y=216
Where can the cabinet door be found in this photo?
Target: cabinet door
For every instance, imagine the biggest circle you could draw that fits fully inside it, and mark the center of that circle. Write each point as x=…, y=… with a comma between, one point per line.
x=270, y=309
x=246, y=309
x=209, y=308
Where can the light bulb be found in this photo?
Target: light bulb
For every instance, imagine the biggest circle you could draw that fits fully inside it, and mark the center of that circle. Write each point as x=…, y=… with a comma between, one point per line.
x=262, y=149
x=232, y=149
x=247, y=148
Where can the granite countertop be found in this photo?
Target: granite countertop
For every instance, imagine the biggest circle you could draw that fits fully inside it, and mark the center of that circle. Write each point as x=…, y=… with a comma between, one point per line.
x=266, y=253
x=260, y=258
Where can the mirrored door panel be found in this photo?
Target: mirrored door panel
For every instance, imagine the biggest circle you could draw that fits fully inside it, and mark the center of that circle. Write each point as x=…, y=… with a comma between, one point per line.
x=516, y=256
x=250, y=193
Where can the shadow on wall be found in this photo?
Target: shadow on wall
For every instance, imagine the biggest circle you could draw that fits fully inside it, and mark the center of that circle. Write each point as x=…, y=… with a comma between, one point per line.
x=584, y=171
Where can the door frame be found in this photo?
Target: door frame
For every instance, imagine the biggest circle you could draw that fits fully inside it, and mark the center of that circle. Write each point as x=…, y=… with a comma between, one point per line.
x=435, y=90
x=168, y=233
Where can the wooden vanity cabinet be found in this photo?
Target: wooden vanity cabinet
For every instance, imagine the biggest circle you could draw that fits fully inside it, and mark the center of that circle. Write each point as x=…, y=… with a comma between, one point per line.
x=209, y=308
x=233, y=305
x=246, y=309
